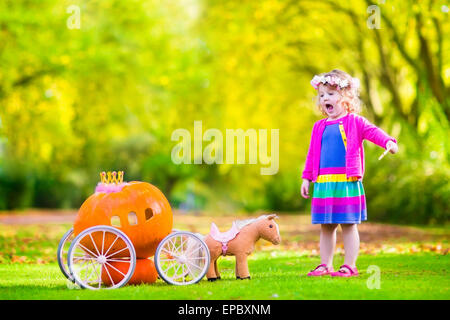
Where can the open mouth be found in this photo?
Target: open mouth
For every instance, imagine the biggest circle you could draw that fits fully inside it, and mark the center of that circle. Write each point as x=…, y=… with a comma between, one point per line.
x=329, y=107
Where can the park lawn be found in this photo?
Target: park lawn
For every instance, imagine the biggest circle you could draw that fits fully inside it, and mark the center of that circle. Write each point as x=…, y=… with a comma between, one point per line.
x=275, y=275
x=413, y=264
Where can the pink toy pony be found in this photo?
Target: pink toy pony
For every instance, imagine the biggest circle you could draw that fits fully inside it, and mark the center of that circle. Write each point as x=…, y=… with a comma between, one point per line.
x=240, y=241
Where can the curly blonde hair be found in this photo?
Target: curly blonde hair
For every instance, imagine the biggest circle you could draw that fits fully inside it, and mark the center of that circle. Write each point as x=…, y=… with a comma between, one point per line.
x=349, y=95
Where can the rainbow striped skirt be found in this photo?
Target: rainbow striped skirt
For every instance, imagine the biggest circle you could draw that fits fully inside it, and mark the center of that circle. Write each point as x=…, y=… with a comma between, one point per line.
x=338, y=199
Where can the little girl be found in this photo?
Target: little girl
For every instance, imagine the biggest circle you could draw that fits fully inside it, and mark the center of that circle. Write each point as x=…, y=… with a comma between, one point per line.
x=335, y=163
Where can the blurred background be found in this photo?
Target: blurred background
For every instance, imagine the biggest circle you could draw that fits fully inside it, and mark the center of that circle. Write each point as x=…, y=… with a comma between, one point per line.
x=90, y=86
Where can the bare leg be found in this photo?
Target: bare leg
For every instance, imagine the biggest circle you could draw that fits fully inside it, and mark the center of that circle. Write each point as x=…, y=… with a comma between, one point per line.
x=350, y=236
x=327, y=244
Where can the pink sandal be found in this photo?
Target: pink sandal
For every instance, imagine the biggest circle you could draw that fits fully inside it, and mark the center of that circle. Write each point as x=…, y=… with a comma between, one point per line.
x=352, y=272
x=316, y=273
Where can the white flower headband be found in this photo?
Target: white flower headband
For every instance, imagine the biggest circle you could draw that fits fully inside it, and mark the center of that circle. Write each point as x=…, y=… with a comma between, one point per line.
x=332, y=80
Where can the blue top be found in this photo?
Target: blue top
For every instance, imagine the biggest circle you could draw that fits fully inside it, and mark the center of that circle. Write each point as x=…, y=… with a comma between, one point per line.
x=332, y=153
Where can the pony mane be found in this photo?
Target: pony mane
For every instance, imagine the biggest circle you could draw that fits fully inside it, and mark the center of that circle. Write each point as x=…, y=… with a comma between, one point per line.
x=242, y=223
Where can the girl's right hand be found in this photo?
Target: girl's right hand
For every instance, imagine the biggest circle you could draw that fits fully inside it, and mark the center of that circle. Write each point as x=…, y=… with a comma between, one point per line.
x=392, y=147
x=305, y=188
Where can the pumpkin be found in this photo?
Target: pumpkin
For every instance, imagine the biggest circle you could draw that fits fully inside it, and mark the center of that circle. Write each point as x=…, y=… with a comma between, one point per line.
x=144, y=213
x=144, y=272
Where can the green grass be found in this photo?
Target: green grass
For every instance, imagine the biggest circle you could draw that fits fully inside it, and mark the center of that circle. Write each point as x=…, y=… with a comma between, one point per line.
x=413, y=262
x=275, y=275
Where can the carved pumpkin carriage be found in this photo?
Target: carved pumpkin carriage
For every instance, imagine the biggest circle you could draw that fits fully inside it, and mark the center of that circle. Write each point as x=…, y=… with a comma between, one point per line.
x=116, y=232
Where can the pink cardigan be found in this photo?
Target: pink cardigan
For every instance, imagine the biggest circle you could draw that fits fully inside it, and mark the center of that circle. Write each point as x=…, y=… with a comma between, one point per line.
x=357, y=128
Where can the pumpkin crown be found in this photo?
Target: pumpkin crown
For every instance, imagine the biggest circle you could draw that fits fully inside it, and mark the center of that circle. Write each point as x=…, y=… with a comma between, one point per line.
x=111, y=177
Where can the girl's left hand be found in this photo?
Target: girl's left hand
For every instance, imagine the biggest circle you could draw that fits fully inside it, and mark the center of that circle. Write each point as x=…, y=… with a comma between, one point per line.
x=392, y=146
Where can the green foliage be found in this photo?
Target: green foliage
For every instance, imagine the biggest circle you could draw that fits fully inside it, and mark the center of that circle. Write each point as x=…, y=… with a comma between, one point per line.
x=411, y=194
x=15, y=189
x=107, y=96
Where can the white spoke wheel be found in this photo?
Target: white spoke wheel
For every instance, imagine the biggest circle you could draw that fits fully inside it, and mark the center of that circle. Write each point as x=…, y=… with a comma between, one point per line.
x=61, y=253
x=101, y=257
x=182, y=258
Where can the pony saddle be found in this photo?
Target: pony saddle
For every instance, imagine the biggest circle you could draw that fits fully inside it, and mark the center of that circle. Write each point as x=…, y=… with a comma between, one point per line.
x=224, y=237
